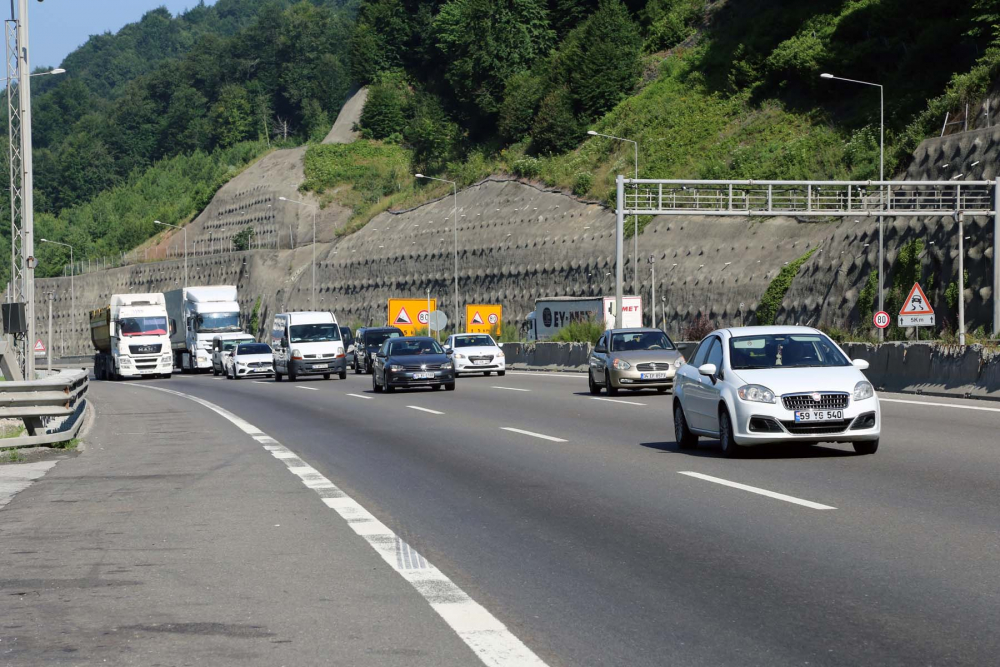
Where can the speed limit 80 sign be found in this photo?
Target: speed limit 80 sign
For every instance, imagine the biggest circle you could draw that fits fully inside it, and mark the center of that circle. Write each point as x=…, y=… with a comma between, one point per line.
x=881, y=319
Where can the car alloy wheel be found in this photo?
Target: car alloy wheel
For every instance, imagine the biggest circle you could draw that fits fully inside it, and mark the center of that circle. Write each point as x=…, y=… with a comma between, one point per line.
x=729, y=447
x=594, y=388
x=612, y=391
x=682, y=434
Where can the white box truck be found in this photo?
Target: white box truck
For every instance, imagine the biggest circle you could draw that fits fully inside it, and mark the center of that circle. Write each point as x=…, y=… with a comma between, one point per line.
x=307, y=343
x=196, y=315
x=130, y=337
x=553, y=313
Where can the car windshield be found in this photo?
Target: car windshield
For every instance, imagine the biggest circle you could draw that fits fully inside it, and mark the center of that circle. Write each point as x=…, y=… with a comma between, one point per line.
x=208, y=322
x=253, y=348
x=143, y=326
x=405, y=348
x=640, y=340
x=784, y=351
x=376, y=338
x=314, y=333
x=474, y=341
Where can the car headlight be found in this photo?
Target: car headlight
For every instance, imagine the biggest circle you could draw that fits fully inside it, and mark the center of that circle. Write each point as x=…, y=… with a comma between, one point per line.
x=297, y=355
x=459, y=355
x=621, y=365
x=499, y=354
x=395, y=368
x=679, y=362
x=863, y=390
x=446, y=367
x=755, y=393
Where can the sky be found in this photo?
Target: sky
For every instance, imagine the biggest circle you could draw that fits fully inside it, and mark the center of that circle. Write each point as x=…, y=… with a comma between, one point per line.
x=58, y=27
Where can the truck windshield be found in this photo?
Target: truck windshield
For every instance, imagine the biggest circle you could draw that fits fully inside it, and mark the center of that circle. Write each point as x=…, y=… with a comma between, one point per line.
x=314, y=333
x=143, y=326
x=208, y=322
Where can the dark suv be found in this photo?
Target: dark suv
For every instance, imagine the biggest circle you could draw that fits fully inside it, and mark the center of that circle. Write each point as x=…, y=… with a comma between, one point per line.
x=367, y=341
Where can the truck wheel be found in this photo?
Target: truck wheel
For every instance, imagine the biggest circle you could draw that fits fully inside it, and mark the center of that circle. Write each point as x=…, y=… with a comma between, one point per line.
x=292, y=377
x=277, y=377
x=215, y=371
x=343, y=374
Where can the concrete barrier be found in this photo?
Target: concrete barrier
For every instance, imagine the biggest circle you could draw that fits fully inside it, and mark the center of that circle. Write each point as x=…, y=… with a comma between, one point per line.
x=572, y=357
x=927, y=368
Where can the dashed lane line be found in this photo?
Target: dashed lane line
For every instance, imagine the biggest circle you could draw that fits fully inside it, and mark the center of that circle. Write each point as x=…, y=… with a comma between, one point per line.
x=761, y=492
x=309, y=388
x=532, y=434
x=367, y=398
x=489, y=639
x=511, y=389
x=417, y=407
x=614, y=400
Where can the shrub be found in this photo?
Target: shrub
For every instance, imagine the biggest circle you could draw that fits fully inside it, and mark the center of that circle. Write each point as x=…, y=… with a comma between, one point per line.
x=582, y=183
x=527, y=167
x=244, y=238
x=698, y=328
x=384, y=113
x=767, y=310
x=556, y=128
x=584, y=331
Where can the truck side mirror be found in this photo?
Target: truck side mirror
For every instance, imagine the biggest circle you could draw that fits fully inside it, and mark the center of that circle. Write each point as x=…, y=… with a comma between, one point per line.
x=284, y=342
x=173, y=327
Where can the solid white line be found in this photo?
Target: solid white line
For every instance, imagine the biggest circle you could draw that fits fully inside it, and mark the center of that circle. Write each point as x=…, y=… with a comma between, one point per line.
x=367, y=398
x=489, y=639
x=511, y=389
x=758, y=491
x=417, y=407
x=532, y=434
x=938, y=405
x=614, y=400
x=309, y=388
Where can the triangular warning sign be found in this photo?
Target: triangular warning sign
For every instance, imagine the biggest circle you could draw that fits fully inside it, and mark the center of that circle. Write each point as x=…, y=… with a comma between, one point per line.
x=477, y=318
x=916, y=303
x=39, y=346
x=403, y=317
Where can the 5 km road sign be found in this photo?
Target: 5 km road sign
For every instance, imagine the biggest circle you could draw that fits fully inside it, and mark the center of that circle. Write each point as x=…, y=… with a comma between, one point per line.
x=916, y=310
x=881, y=319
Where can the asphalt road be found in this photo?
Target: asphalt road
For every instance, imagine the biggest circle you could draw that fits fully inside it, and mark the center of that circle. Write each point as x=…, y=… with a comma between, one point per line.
x=594, y=548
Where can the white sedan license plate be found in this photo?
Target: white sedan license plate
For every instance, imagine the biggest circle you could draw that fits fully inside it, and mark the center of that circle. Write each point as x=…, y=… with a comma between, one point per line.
x=321, y=365
x=652, y=376
x=480, y=362
x=423, y=376
x=817, y=415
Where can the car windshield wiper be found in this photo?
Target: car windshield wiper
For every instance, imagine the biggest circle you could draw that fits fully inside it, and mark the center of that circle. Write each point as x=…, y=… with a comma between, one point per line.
x=754, y=368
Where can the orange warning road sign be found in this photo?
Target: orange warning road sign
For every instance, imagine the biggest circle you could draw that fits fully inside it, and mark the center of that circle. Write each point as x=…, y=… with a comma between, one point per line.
x=409, y=314
x=916, y=310
x=483, y=318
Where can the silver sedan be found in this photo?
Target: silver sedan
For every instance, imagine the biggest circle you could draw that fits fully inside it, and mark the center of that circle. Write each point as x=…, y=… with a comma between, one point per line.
x=633, y=359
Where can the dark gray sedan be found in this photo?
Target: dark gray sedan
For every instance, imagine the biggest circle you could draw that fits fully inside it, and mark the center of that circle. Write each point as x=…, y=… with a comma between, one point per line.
x=633, y=359
x=412, y=362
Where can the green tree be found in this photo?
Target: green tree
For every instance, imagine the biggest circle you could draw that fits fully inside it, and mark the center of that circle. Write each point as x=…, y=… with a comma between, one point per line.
x=604, y=64
x=522, y=95
x=380, y=38
x=385, y=109
x=556, y=127
x=232, y=116
x=485, y=42
x=433, y=137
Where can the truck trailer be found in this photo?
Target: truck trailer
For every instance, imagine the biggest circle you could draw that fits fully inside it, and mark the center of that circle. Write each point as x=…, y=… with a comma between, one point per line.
x=196, y=315
x=553, y=313
x=130, y=337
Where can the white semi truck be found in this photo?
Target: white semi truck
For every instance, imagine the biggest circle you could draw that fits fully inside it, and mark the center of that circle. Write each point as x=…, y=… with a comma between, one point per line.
x=130, y=337
x=197, y=315
x=553, y=313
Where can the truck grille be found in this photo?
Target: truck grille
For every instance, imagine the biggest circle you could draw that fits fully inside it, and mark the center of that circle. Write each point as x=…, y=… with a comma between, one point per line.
x=145, y=349
x=655, y=366
x=805, y=401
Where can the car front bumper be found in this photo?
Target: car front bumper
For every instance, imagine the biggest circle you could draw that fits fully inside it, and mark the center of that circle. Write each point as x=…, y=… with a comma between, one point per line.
x=406, y=379
x=467, y=366
x=761, y=423
x=254, y=372
x=317, y=367
x=632, y=379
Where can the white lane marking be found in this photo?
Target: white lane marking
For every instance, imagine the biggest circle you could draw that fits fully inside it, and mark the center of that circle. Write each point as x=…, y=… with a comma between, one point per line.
x=367, y=398
x=309, y=388
x=489, y=639
x=938, y=405
x=261, y=382
x=614, y=400
x=511, y=389
x=553, y=374
x=758, y=491
x=532, y=434
x=417, y=407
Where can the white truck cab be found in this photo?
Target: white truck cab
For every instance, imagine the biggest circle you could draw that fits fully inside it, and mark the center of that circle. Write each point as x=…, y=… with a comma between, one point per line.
x=196, y=315
x=307, y=343
x=130, y=337
x=223, y=344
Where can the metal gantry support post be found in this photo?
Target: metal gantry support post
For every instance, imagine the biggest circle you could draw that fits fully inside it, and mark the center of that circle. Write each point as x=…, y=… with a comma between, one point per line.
x=27, y=187
x=960, y=217
x=996, y=258
x=619, y=248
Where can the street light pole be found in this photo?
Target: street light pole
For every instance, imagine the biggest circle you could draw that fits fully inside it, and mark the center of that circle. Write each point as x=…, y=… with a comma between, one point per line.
x=72, y=274
x=635, y=218
x=652, y=278
x=454, y=190
x=881, y=178
x=313, y=207
x=184, y=229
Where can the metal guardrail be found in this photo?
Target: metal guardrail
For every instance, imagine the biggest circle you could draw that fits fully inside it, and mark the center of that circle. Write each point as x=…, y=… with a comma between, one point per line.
x=55, y=403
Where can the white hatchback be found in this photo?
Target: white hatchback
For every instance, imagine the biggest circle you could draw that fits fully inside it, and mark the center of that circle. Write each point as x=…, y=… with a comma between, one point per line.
x=475, y=353
x=756, y=385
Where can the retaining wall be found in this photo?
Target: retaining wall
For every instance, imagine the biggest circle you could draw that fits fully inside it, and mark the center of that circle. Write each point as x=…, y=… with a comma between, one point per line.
x=924, y=368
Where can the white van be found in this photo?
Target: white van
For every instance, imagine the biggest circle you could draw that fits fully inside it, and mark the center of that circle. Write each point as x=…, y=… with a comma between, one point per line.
x=307, y=344
x=222, y=344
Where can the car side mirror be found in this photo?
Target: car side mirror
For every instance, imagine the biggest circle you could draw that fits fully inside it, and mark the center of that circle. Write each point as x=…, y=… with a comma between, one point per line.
x=708, y=370
x=860, y=364
x=447, y=349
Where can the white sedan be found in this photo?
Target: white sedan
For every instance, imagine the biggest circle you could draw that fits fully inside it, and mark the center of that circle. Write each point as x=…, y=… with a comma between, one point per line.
x=250, y=360
x=755, y=385
x=475, y=353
